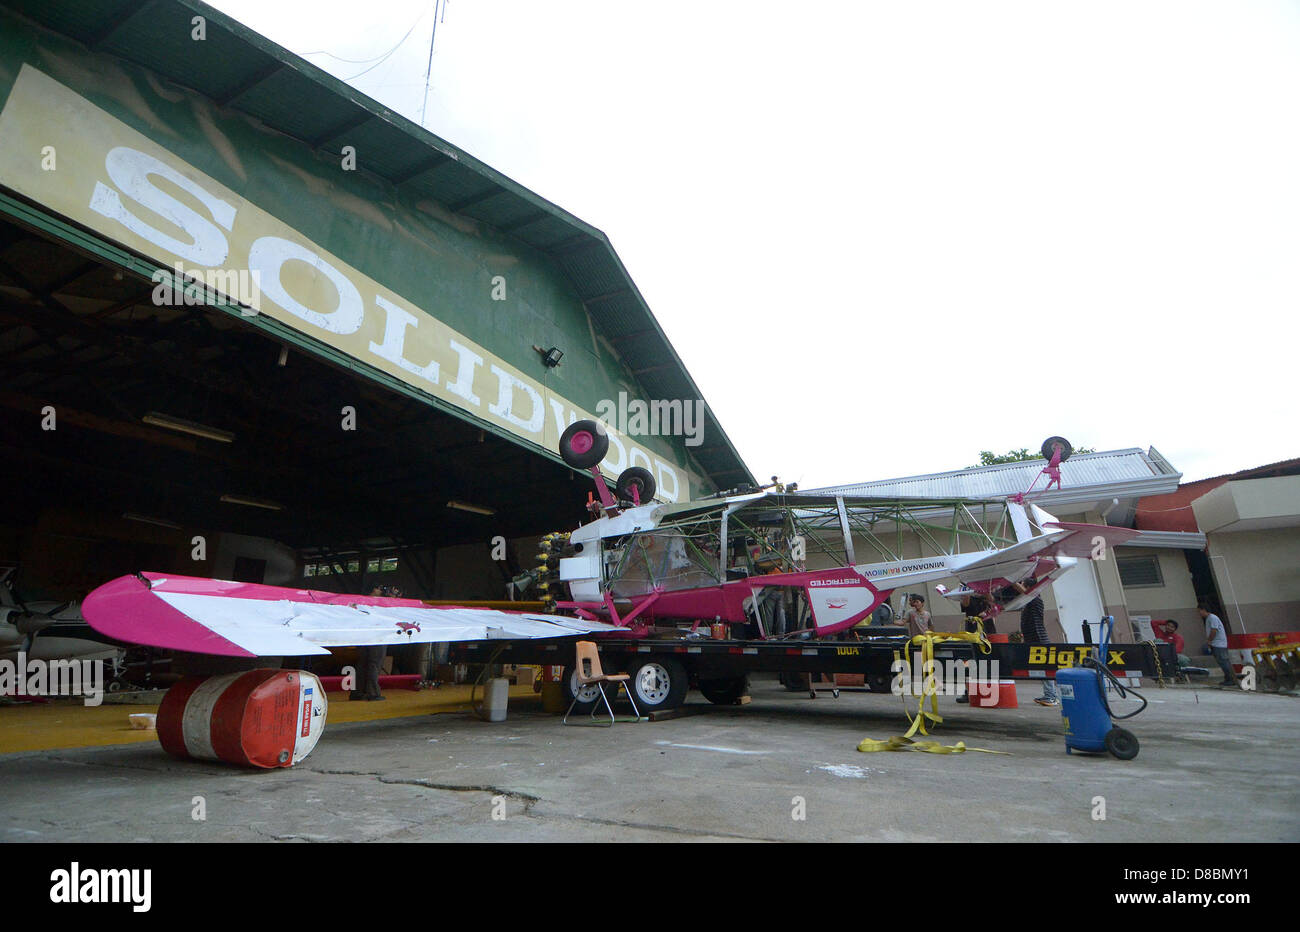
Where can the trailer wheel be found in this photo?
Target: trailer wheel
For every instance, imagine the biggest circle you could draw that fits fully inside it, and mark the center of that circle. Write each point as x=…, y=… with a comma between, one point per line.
x=795, y=682
x=1122, y=743
x=584, y=444
x=1051, y=442
x=588, y=696
x=724, y=692
x=657, y=683
x=880, y=682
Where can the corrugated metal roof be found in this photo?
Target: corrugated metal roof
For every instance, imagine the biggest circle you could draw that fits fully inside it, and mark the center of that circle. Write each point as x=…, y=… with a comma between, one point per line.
x=1081, y=474
x=241, y=70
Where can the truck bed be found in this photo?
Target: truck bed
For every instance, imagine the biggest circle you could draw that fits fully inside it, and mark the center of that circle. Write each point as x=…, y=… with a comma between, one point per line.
x=709, y=657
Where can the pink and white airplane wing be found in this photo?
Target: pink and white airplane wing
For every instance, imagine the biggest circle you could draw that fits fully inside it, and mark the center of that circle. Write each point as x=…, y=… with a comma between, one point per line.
x=1082, y=539
x=212, y=616
x=1079, y=540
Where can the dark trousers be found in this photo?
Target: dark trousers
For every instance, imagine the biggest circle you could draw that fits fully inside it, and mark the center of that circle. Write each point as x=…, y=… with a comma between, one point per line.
x=1033, y=630
x=1221, y=655
x=370, y=661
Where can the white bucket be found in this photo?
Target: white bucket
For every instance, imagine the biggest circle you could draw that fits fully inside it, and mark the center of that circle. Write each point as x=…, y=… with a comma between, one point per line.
x=495, y=698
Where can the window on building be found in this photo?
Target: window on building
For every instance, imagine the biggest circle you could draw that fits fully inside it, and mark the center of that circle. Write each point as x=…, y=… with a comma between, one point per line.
x=382, y=565
x=1137, y=572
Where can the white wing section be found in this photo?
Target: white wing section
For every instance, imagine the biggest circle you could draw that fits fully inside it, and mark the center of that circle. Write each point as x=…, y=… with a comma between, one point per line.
x=284, y=628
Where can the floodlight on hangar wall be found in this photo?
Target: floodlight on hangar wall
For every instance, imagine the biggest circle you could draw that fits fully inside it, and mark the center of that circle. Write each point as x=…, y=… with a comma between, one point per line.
x=551, y=357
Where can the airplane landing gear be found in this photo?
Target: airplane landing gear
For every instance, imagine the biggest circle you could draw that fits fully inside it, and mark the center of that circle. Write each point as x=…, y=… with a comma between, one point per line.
x=1052, y=444
x=584, y=444
x=638, y=478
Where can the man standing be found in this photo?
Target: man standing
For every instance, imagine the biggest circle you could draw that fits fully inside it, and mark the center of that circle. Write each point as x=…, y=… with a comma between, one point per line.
x=1216, y=636
x=1033, y=630
x=370, y=660
x=973, y=607
x=916, y=617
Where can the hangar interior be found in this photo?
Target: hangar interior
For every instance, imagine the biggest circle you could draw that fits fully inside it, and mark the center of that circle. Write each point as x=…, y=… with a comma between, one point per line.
x=105, y=492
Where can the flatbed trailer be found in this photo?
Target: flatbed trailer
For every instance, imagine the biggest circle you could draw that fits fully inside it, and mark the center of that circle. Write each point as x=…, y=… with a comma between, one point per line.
x=664, y=668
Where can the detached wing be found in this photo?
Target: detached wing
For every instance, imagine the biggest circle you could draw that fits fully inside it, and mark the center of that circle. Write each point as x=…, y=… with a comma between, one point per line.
x=209, y=616
x=1060, y=539
x=1081, y=539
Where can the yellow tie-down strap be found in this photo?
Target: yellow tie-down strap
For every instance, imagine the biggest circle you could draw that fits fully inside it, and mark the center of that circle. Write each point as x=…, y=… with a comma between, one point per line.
x=931, y=690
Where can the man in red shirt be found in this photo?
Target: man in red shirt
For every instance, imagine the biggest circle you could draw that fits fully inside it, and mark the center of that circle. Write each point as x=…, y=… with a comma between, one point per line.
x=1167, y=631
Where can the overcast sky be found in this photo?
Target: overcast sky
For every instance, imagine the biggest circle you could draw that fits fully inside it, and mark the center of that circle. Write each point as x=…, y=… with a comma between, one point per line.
x=886, y=236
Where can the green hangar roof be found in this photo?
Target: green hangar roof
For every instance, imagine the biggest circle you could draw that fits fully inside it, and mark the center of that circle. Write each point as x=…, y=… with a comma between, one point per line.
x=243, y=71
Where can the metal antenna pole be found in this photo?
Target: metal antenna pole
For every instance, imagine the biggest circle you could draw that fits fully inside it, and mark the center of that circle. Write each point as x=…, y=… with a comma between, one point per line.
x=428, y=70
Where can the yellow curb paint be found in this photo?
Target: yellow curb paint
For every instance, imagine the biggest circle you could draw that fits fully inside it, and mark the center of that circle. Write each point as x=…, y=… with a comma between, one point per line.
x=66, y=723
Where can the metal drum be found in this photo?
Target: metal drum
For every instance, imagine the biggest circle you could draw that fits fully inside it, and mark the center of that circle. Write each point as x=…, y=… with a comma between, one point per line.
x=262, y=718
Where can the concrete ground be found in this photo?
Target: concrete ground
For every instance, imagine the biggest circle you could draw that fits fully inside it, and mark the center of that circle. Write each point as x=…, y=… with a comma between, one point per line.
x=1214, y=765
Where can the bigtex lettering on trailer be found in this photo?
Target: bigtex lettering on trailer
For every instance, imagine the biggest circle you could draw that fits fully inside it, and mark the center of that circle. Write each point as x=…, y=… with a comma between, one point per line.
x=125, y=186
x=1049, y=655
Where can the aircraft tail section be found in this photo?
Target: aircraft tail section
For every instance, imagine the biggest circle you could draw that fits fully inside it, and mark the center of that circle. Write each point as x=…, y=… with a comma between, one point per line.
x=1028, y=520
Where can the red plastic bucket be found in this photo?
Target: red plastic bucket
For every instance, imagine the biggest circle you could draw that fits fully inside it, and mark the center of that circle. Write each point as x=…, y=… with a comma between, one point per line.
x=992, y=695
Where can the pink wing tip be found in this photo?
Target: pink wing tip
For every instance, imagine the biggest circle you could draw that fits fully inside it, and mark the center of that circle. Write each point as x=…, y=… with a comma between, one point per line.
x=127, y=610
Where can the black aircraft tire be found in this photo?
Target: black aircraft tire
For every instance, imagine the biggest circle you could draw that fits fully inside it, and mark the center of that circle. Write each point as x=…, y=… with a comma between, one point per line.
x=1050, y=442
x=639, y=477
x=657, y=683
x=724, y=692
x=1122, y=743
x=584, y=444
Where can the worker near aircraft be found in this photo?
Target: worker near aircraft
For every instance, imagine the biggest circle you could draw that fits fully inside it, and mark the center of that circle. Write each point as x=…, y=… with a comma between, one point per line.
x=1033, y=629
x=916, y=617
x=974, y=606
x=370, y=661
x=1216, y=638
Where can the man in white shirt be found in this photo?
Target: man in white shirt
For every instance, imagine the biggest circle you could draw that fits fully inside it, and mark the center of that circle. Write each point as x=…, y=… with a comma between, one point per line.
x=1216, y=636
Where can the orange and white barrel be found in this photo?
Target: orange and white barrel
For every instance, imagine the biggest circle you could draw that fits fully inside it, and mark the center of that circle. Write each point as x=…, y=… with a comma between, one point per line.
x=261, y=718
